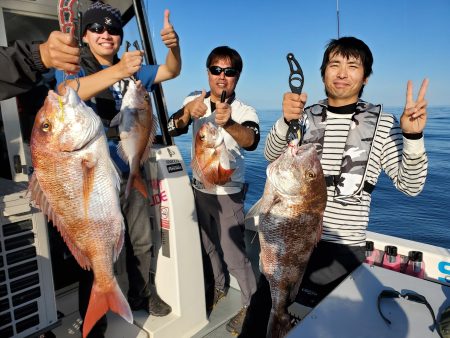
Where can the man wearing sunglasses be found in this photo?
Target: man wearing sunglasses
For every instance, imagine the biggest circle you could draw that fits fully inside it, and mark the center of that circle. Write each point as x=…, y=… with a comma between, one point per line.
x=101, y=80
x=220, y=209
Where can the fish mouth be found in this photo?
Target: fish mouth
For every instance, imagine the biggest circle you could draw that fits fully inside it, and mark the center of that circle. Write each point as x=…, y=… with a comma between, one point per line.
x=280, y=176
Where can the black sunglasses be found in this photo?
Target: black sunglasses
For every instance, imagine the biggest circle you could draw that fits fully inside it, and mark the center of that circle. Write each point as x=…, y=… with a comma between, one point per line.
x=99, y=29
x=411, y=296
x=229, y=72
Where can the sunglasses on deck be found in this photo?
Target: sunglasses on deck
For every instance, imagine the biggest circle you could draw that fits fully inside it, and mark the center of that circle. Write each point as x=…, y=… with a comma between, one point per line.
x=229, y=72
x=411, y=296
x=99, y=29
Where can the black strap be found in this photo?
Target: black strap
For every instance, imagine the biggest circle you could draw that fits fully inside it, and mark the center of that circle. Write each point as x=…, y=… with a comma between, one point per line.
x=333, y=180
x=213, y=104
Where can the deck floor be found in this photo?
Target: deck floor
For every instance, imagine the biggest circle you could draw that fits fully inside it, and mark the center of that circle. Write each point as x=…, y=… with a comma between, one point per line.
x=67, y=304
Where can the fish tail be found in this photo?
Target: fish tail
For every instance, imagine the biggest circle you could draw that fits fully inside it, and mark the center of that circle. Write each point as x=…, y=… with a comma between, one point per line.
x=279, y=325
x=136, y=181
x=100, y=302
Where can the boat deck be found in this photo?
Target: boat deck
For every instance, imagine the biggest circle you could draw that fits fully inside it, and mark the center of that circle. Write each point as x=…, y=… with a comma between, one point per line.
x=67, y=303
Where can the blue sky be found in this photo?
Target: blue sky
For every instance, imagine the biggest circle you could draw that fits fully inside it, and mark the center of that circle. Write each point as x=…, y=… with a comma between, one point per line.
x=410, y=39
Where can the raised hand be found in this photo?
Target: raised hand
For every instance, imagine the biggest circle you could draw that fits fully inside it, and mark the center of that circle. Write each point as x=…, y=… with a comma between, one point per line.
x=60, y=51
x=130, y=63
x=168, y=35
x=414, y=115
x=197, y=107
x=223, y=113
x=293, y=105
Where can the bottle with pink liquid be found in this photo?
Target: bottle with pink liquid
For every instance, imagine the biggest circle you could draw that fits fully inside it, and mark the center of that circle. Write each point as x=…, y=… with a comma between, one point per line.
x=416, y=265
x=391, y=260
x=373, y=256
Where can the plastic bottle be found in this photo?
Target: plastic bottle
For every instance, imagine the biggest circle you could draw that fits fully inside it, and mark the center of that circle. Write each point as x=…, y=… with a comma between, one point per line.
x=416, y=265
x=391, y=259
x=373, y=256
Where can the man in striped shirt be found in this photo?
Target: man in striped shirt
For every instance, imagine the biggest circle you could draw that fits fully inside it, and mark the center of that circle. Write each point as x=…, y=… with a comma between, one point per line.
x=355, y=140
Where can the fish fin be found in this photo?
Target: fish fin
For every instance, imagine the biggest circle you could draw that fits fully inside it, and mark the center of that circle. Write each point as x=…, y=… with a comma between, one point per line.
x=224, y=175
x=264, y=204
x=254, y=211
x=41, y=201
x=319, y=231
x=114, y=174
x=118, y=247
x=116, y=120
x=269, y=199
x=136, y=181
x=200, y=174
x=121, y=152
x=88, y=169
x=195, y=166
x=278, y=326
x=151, y=139
x=226, y=158
x=100, y=302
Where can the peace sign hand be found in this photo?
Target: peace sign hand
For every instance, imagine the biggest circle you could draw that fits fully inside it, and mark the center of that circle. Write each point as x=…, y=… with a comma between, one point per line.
x=414, y=115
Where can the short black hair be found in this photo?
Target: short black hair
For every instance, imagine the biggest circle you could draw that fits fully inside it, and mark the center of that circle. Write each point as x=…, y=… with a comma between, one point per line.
x=225, y=52
x=348, y=46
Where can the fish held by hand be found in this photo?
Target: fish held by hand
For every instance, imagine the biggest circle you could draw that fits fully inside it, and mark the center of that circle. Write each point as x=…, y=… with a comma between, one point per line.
x=212, y=162
x=290, y=225
x=76, y=185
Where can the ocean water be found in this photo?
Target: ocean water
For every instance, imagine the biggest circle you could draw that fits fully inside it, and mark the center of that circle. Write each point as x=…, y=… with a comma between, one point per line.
x=424, y=218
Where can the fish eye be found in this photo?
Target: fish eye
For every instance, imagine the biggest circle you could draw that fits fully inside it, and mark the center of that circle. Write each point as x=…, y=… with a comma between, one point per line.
x=310, y=174
x=46, y=126
x=146, y=97
x=202, y=137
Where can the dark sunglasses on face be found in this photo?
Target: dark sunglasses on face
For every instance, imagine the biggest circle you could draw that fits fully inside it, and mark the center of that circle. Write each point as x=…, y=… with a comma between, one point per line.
x=99, y=29
x=229, y=72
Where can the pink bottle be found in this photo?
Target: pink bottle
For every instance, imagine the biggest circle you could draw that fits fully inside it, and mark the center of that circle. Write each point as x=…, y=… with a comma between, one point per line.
x=391, y=259
x=373, y=256
x=416, y=265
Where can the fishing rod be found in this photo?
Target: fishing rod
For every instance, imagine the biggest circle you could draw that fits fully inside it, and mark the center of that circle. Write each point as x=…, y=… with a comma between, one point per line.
x=337, y=15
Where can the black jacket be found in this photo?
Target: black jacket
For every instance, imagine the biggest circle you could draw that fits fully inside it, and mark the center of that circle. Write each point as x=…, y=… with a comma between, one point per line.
x=21, y=68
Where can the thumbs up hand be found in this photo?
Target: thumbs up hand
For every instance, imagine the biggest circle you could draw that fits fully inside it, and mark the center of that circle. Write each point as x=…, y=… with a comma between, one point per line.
x=197, y=107
x=168, y=35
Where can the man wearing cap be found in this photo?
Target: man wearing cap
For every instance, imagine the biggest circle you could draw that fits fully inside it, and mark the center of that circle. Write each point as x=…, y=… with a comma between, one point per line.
x=101, y=78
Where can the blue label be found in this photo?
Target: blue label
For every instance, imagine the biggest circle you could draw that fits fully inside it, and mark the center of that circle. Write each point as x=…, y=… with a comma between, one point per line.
x=444, y=268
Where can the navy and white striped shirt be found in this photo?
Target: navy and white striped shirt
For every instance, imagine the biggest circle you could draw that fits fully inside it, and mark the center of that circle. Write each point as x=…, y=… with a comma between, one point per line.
x=403, y=160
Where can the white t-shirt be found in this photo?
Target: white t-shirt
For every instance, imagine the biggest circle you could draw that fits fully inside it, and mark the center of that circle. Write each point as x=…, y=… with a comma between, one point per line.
x=240, y=112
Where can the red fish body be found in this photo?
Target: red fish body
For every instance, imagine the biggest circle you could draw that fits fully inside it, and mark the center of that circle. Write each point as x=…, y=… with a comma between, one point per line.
x=211, y=161
x=290, y=224
x=137, y=129
x=76, y=185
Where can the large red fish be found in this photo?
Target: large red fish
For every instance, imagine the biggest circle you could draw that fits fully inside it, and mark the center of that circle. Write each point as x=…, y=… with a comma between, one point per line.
x=77, y=186
x=212, y=162
x=137, y=129
x=290, y=224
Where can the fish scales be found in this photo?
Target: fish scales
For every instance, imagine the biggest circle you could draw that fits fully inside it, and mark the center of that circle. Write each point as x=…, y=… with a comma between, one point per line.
x=77, y=186
x=291, y=215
